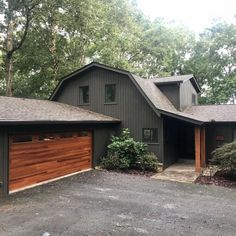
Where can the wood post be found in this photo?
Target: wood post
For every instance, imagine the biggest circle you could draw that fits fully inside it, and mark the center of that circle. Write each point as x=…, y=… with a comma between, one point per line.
x=197, y=139
x=200, y=147
x=203, y=147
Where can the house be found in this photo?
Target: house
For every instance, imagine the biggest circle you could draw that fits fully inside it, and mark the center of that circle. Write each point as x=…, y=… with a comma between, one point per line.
x=162, y=112
x=45, y=140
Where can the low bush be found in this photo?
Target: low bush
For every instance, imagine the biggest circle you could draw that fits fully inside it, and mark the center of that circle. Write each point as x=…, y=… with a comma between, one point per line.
x=126, y=153
x=110, y=162
x=225, y=157
x=148, y=162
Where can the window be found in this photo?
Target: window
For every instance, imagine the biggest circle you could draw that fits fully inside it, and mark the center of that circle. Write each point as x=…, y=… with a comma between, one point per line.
x=22, y=139
x=66, y=135
x=83, y=133
x=150, y=135
x=46, y=137
x=110, y=93
x=84, y=95
x=193, y=99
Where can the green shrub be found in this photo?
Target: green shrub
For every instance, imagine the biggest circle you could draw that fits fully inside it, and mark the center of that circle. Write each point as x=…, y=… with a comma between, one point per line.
x=148, y=162
x=225, y=157
x=110, y=162
x=126, y=153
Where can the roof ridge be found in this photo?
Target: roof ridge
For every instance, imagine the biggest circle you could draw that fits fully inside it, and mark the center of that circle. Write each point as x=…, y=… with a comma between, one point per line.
x=170, y=76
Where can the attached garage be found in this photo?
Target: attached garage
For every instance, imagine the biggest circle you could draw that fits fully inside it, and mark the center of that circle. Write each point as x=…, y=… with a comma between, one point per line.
x=35, y=158
x=41, y=141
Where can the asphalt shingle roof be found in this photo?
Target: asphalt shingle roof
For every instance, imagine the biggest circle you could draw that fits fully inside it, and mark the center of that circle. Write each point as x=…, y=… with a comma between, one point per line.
x=159, y=100
x=213, y=113
x=170, y=79
x=31, y=110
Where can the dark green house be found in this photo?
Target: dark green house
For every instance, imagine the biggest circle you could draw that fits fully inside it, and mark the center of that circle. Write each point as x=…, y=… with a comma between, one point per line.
x=96, y=102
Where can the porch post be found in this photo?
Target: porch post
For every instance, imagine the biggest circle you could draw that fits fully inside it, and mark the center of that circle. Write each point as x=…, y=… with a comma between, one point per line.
x=203, y=147
x=197, y=139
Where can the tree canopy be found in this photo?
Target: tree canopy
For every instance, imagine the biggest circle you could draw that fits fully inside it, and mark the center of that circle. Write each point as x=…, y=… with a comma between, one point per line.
x=54, y=37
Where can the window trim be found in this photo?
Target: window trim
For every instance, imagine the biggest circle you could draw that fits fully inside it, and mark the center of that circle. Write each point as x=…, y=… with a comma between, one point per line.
x=81, y=103
x=150, y=141
x=115, y=101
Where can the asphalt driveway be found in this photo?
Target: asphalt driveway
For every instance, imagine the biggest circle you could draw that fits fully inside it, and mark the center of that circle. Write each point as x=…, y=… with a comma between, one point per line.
x=104, y=203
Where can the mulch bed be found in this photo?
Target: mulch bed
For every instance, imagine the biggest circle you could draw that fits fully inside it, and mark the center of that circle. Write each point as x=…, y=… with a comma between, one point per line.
x=219, y=179
x=135, y=172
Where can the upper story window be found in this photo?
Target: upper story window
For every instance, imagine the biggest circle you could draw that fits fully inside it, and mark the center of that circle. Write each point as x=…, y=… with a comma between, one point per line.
x=84, y=95
x=194, y=98
x=110, y=93
x=150, y=135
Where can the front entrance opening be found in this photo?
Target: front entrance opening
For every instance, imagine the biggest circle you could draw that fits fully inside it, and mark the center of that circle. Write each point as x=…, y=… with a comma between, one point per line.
x=184, y=143
x=179, y=145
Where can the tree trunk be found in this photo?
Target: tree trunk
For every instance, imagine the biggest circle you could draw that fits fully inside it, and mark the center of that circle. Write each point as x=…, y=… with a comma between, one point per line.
x=9, y=51
x=53, y=50
x=9, y=66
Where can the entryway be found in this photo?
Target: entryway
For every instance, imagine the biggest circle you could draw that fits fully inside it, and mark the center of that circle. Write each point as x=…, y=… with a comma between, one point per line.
x=184, y=141
x=181, y=171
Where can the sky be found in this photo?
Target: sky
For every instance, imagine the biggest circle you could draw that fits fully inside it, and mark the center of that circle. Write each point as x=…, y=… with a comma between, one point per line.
x=195, y=14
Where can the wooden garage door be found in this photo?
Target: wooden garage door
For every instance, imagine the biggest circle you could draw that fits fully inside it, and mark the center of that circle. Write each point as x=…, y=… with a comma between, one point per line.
x=40, y=157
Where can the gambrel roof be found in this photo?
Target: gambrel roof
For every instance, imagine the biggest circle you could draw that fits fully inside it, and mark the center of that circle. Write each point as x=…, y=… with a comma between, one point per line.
x=155, y=97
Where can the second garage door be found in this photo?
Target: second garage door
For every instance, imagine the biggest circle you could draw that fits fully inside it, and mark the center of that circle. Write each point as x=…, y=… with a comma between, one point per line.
x=35, y=158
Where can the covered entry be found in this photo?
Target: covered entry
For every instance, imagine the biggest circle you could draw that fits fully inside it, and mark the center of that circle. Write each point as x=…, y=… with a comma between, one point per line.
x=184, y=141
x=38, y=157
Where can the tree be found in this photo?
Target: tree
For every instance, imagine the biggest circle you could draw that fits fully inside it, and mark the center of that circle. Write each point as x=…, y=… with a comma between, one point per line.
x=17, y=16
x=63, y=35
x=213, y=62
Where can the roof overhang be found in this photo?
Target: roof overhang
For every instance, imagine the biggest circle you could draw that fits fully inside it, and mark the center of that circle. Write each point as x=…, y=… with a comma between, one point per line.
x=55, y=122
x=183, y=118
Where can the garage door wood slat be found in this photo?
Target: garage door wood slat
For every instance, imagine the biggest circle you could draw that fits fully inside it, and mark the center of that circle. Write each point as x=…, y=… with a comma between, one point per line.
x=47, y=156
x=21, y=172
x=19, y=175
x=16, y=184
x=51, y=143
x=27, y=161
x=36, y=148
x=32, y=163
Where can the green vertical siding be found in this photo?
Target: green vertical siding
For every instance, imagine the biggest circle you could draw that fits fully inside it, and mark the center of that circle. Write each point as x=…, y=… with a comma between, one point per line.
x=186, y=92
x=131, y=107
x=217, y=129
